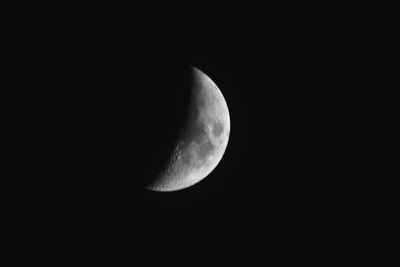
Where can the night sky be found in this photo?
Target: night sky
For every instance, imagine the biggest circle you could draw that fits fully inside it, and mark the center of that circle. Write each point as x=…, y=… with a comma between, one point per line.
x=94, y=98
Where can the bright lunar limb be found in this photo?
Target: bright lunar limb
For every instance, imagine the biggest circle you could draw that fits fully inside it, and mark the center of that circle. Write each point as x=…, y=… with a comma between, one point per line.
x=203, y=141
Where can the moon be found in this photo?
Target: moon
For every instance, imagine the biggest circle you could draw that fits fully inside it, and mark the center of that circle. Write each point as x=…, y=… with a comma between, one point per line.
x=203, y=140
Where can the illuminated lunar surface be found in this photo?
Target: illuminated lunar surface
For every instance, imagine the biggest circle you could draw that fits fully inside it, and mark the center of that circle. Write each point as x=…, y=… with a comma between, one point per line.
x=203, y=141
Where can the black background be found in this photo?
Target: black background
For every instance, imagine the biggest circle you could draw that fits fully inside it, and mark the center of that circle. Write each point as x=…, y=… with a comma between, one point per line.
x=94, y=97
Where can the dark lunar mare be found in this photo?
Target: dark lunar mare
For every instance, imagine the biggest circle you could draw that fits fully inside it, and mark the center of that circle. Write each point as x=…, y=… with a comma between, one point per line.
x=205, y=149
x=217, y=129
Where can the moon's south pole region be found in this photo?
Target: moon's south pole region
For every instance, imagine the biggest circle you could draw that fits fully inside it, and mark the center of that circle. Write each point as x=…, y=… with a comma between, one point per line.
x=203, y=139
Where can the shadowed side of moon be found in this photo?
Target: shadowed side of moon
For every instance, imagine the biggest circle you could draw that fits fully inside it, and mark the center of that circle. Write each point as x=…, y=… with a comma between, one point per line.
x=203, y=138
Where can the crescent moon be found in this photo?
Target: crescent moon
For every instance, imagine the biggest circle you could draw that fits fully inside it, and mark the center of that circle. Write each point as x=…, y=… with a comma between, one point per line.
x=203, y=141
